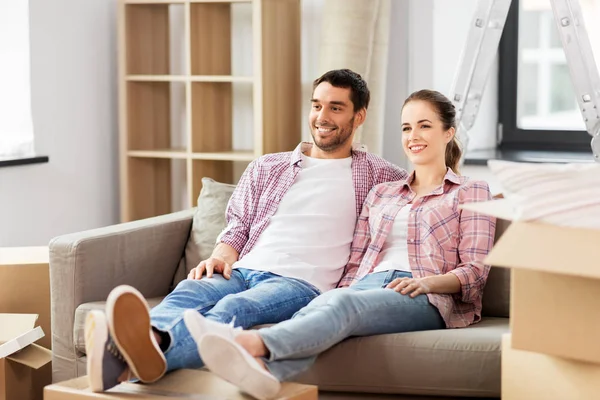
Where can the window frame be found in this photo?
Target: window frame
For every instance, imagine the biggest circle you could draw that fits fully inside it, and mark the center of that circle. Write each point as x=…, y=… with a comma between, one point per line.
x=511, y=136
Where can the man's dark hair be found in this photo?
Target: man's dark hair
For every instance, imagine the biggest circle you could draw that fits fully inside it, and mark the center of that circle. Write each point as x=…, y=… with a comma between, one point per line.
x=345, y=78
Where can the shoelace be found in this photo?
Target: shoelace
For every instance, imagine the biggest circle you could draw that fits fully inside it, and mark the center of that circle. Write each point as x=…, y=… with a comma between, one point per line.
x=112, y=349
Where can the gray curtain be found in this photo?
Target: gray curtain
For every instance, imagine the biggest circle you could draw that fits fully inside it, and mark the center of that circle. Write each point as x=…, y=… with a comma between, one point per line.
x=355, y=35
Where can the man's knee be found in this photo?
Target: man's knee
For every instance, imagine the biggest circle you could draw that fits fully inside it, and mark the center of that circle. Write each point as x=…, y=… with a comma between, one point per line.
x=228, y=307
x=232, y=303
x=187, y=285
x=202, y=284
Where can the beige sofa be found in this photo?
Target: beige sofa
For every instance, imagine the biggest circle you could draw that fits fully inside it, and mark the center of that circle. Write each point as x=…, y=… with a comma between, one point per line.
x=150, y=255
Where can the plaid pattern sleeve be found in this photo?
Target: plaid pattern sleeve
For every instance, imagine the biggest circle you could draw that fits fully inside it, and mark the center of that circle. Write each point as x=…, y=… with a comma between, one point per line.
x=239, y=210
x=476, y=232
x=391, y=173
x=360, y=243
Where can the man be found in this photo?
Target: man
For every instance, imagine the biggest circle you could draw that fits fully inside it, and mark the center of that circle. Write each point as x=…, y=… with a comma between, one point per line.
x=290, y=225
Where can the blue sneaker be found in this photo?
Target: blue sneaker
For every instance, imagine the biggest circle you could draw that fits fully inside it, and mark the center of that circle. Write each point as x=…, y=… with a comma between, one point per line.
x=130, y=327
x=105, y=364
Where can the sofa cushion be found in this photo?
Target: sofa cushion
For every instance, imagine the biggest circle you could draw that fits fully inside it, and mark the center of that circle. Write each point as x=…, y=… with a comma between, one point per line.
x=209, y=221
x=81, y=313
x=496, y=294
x=450, y=362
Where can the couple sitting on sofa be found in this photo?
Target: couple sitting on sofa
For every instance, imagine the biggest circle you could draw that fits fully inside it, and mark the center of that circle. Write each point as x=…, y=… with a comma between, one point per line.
x=411, y=261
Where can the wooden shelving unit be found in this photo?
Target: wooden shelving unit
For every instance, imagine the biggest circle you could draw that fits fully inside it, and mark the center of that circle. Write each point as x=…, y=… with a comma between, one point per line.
x=205, y=87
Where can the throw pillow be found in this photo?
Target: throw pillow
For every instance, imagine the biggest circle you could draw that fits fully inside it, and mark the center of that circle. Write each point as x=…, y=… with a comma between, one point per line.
x=209, y=221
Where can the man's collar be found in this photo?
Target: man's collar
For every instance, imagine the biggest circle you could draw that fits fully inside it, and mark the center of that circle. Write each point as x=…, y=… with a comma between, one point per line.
x=305, y=147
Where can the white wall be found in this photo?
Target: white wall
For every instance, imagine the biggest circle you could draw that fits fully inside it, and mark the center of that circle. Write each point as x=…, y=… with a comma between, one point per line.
x=397, y=82
x=312, y=19
x=437, y=36
x=426, y=40
x=73, y=74
x=74, y=100
x=438, y=33
x=451, y=27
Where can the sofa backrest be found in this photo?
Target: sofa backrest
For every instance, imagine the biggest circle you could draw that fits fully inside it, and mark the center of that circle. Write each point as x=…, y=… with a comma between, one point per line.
x=496, y=295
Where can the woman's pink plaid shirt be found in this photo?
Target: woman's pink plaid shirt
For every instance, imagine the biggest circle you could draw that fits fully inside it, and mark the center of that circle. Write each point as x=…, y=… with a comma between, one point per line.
x=441, y=239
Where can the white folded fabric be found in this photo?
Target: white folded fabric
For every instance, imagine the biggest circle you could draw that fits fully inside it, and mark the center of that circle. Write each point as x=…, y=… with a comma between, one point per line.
x=559, y=194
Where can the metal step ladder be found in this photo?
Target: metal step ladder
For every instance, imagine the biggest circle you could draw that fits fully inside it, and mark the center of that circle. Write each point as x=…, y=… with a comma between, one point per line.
x=481, y=48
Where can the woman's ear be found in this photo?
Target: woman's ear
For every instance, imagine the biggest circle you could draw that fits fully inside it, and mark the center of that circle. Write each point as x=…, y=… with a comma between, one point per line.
x=450, y=134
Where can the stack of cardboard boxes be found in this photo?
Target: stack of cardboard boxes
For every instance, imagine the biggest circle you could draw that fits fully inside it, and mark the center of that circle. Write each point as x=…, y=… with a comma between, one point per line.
x=25, y=366
x=553, y=351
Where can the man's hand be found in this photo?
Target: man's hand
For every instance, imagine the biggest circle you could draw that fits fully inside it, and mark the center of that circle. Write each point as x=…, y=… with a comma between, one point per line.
x=210, y=266
x=411, y=286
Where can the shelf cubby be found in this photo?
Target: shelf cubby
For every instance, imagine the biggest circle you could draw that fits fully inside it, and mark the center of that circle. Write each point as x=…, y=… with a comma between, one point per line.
x=205, y=87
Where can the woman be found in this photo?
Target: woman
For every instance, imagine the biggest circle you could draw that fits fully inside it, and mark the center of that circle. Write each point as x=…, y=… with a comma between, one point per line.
x=416, y=264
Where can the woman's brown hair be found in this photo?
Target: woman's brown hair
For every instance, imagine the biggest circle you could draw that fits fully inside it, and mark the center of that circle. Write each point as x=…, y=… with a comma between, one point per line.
x=447, y=114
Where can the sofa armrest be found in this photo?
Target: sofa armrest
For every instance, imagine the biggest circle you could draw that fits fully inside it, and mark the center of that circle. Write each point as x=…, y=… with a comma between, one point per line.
x=86, y=266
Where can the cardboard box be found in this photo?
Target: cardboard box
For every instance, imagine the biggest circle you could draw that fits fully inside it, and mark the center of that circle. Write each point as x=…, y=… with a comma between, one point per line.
x=25, y=285
x=24, y=366
x=555, y=287
x=528, y=375
x=185, y=383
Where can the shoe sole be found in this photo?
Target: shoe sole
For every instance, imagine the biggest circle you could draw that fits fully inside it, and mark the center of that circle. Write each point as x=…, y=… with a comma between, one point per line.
x=95, y=340
x=131, y=330
x=230, y=361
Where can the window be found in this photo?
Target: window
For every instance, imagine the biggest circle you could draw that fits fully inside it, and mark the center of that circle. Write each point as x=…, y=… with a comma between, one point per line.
x=16, y=127
x=538, y=107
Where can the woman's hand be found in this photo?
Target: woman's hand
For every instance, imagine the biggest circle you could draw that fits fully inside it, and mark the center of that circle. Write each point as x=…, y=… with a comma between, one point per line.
x=411, y=286
x=447, y=283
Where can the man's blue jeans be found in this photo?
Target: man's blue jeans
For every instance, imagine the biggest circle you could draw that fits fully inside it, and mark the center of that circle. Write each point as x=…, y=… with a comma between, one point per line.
x=363, y=309
x=249, y=297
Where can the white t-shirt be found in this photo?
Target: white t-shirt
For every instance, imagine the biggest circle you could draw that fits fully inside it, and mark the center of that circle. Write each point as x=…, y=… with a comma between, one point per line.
x=310, y=234
x=394, y=253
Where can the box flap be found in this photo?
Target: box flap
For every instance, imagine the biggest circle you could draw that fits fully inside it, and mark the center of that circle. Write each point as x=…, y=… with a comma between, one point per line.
x=20, y=342
x=33, y=356
x=501, y=208
x=14, y=325
x=26, y=290
x=549, y=248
